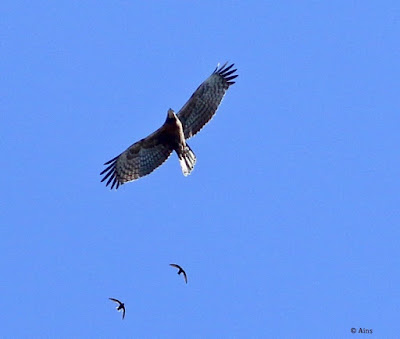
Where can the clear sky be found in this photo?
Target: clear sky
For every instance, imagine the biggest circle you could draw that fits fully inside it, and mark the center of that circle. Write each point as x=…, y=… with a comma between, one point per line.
x=287, y=227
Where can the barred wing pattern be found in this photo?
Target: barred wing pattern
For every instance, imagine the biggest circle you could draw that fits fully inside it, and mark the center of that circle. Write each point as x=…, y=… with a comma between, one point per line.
x=140, y=159
x=204, y=102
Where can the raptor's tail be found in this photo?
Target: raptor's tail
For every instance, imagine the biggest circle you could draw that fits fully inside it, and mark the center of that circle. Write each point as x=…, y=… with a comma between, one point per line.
x=187, y=160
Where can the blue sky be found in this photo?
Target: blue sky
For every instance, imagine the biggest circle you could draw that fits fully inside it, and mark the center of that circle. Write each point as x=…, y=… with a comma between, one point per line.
x=289, y=224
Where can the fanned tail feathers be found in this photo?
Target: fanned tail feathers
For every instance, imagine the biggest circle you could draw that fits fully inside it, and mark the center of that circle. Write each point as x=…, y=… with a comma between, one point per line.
x=187, y=160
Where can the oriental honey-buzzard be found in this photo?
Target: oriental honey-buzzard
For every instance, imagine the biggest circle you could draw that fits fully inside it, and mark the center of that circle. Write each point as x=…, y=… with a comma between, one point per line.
x=144, y=156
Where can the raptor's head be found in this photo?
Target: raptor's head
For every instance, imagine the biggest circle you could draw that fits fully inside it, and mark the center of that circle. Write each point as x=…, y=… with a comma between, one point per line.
x=171, y=115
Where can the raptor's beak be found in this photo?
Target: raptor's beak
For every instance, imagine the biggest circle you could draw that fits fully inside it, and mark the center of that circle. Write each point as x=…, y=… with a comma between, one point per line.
x=171, y=114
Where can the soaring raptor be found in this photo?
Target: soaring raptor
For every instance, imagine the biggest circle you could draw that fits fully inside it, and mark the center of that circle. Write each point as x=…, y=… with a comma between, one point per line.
x=144, y=156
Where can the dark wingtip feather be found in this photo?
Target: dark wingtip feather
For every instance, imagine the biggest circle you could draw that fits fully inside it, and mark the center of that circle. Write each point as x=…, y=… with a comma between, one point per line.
x=107, y=175
x=232, y=77
x=107, y=169
x=226, y=72
x=218, y=69
x=110, y=161
x=223, y=70
x=110, y=173
x=110, y=179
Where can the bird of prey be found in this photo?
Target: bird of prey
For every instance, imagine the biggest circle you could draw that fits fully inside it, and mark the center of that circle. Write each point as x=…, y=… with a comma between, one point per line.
x=144, y=156
x=120, y=307
x=180, y=270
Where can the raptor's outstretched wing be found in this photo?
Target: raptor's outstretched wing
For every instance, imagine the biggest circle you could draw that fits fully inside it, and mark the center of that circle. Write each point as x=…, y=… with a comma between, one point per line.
x=140, y=159
x=204, y=102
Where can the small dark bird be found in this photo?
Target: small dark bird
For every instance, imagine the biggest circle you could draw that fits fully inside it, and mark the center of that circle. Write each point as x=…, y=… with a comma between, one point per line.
x=120, y=307
x=180, y=271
